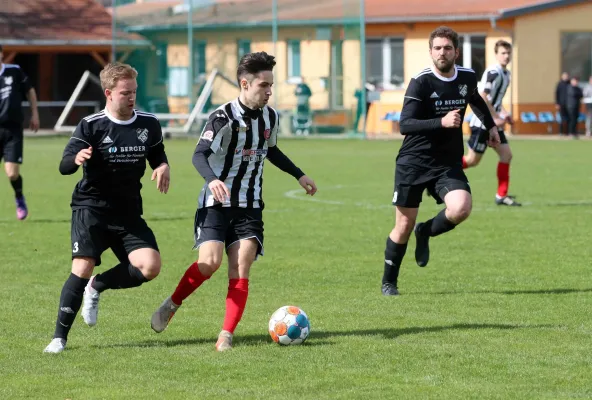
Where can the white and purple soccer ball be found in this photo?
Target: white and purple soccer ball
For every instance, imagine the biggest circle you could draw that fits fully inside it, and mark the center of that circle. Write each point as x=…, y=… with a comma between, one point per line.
x=289, y=325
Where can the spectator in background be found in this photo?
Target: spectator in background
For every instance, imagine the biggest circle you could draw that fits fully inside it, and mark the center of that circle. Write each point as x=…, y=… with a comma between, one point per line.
x=561, y=102
x=588, y=102
x=368, y=87
x=574, y=99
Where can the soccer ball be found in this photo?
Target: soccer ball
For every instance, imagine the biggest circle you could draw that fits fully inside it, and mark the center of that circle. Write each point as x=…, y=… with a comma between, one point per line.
x=289, y=325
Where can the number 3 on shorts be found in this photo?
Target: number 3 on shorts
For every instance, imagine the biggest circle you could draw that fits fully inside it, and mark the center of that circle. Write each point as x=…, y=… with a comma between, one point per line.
x=75, y=247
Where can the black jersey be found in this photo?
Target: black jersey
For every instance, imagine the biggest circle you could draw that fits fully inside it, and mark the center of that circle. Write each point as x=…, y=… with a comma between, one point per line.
x=111, y=177
x=429, y=97
x=14, y=86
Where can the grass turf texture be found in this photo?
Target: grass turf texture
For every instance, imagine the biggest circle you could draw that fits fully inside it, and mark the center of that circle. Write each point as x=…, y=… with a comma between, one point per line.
x=501, y=311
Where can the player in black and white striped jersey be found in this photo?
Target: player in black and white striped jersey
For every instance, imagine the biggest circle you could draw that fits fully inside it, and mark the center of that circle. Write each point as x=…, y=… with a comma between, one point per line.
x=237, y=139
x=493, y=87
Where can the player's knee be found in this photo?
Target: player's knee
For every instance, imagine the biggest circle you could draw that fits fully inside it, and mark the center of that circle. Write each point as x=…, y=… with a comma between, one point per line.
x=210, y=263
x=83, y=267
x=506, y=156
x=472, y=160
x=152, y=270
x=12, y=175
x=404, y=226
x=459, y=212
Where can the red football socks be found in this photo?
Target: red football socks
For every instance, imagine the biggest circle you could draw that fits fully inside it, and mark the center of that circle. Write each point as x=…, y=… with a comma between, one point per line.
x=236, y=300
x=191, y=280
x=503, y=179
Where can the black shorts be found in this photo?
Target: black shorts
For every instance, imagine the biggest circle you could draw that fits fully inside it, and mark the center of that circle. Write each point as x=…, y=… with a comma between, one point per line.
x=228, y=225
x=410, y=185
x=92, y=233
x=11, y=144
x=478, y=140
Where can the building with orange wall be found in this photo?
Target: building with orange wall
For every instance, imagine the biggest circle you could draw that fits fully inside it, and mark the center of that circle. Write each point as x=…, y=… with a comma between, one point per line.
x=549, y=36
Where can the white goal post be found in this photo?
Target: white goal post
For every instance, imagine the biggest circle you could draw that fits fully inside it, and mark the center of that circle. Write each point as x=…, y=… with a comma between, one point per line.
x=195, y=115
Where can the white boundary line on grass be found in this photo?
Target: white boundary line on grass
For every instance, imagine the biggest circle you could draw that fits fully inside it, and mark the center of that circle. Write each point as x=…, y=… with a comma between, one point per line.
x=298, y=194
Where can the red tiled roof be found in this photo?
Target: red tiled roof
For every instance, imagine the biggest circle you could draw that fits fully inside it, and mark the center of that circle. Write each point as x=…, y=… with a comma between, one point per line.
x=56, y=21
x=250, y=12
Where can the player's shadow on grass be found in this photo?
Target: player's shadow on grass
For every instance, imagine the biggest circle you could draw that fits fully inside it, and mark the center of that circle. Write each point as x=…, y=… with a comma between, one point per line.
x=514, y=292
x=322, y=338
x=247, y=340
x=395, y=333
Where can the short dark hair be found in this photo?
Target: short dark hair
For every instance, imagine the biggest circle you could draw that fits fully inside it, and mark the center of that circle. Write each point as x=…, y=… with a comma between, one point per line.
x=253, y=63
x=502, y=43
x=444, y=32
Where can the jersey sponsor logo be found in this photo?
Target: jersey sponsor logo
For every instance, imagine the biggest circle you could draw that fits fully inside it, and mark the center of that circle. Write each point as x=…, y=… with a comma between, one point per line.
x=455, y=102
x=267, y=134
x=252, y=155
x=127, y=149
x=142, y=134
x=463, y=90
x=208, y=135
x=107, y=140
x=434, y=96
x=8, y=80
x=126, y=154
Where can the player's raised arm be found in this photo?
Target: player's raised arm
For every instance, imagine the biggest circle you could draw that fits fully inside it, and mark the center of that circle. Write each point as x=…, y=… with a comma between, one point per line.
x=413, y=117
x=77, y=151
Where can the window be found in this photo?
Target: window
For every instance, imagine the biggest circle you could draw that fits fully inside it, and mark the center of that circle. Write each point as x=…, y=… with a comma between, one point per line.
x=162, y=66
x=384, y=62
x=576, y=54
x=199, y=60
x=178, y=85
x=293, y=58
x=244, y=47
x=472, y=53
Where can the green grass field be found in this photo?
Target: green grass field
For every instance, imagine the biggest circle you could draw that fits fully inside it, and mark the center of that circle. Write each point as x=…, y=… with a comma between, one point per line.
x=502, y=310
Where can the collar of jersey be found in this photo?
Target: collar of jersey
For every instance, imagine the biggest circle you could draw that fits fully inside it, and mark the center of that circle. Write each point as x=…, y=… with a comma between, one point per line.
x=443, y=78
x=254, y=114
x=117, y=121
x=3, y=68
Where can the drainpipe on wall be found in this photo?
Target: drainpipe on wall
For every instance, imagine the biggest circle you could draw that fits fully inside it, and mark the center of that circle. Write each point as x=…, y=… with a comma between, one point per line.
x=493, y=21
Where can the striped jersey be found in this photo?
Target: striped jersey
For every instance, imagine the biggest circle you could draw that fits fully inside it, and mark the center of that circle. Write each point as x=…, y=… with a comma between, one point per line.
x=238, y=139
x=494, y=83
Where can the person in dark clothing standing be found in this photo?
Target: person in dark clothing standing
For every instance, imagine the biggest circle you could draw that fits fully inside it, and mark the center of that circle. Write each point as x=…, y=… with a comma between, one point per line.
x=15, y=87
x=573, y=101
x=561, y=102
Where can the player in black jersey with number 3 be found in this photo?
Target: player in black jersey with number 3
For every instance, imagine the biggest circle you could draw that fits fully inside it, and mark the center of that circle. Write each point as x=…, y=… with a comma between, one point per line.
x=113, y=147
x=430, y=157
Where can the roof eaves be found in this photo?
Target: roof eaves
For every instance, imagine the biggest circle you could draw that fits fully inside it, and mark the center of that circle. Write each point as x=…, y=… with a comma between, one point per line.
x=430, y=18
x=548, y=5
x=73, y=42
x=242, y=25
